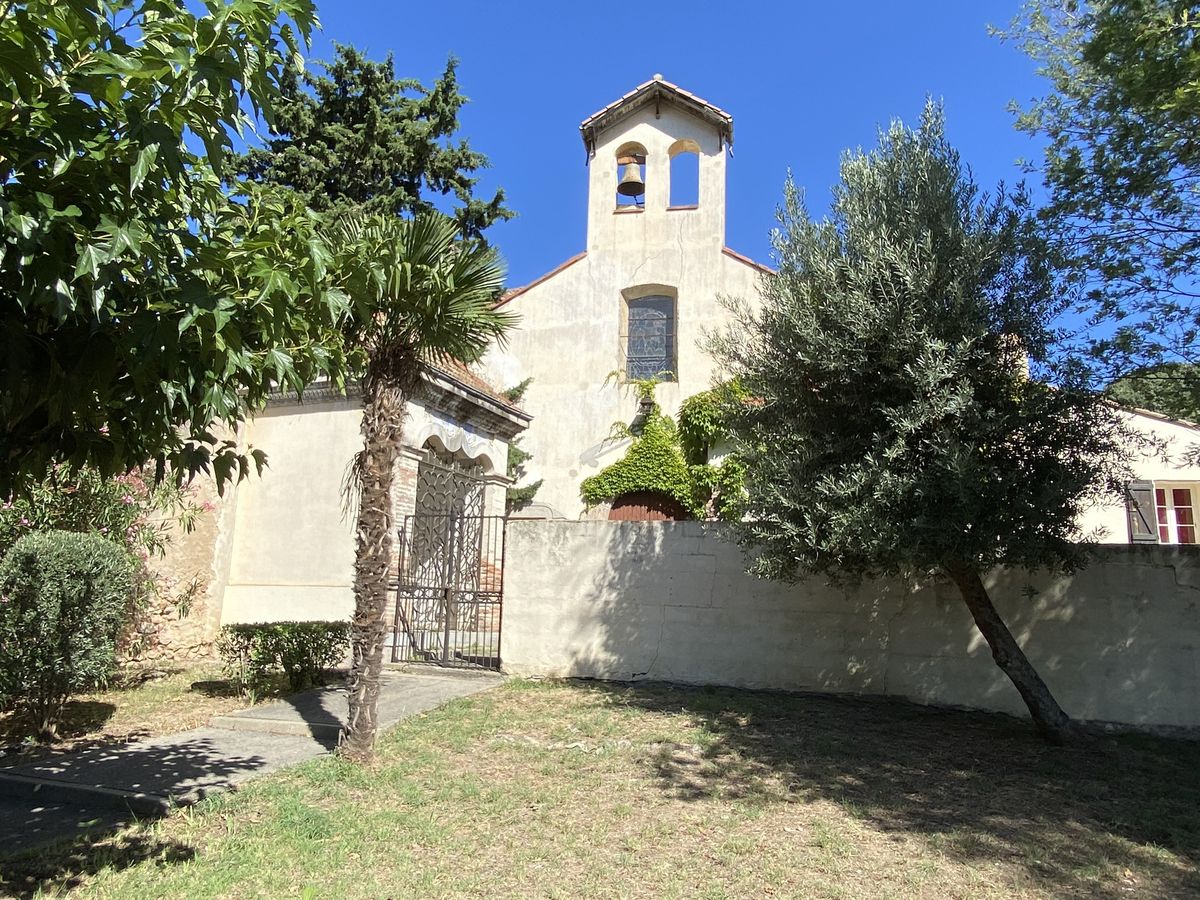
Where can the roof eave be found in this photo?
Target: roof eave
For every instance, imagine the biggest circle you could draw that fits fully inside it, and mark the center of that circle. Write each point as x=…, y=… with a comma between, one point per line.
x=654, y=90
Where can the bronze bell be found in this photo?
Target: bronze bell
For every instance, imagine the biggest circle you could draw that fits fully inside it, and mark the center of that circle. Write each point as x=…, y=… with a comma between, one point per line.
x=631, y=184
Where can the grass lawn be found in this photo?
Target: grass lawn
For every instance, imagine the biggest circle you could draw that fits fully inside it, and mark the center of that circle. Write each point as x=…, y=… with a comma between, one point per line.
x=592, y=790
x=137, y=705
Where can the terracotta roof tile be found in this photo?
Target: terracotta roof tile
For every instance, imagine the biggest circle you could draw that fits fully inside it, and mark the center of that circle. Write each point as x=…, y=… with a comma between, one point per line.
x=643, y=93
x=457, y=370
x=741, y=257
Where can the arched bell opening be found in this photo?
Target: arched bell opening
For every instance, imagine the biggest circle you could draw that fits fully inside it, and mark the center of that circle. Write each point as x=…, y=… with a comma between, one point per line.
x=631, y=176
x=685, y=175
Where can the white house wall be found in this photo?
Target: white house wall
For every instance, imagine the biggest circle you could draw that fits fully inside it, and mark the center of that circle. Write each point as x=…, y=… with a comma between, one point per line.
x=1166, y=460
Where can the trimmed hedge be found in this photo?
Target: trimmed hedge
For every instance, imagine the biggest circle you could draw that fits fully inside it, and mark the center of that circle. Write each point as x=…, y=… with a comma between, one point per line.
x=301, y=650
x=64, y=599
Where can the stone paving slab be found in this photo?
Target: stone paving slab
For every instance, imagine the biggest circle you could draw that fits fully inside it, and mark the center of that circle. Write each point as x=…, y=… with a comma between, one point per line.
x=321, y=713
x=181, y=768
x=24, y=825
x=57, y=798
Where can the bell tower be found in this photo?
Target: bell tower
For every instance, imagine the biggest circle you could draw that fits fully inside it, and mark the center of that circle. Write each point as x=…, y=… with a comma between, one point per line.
x=656, y=170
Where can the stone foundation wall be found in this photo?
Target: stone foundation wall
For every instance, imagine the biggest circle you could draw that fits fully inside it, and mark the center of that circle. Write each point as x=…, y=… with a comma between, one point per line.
x=180, y=623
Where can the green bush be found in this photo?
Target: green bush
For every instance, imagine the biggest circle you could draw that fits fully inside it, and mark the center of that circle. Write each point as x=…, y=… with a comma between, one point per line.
x=301, y=650
x=64, y=598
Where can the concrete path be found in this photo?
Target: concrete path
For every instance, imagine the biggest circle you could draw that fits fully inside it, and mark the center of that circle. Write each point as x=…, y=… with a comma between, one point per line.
x=58, y=798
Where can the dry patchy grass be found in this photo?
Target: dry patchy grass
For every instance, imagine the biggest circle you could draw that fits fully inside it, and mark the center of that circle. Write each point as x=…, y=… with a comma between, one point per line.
x=138, y=704
x=593, y=790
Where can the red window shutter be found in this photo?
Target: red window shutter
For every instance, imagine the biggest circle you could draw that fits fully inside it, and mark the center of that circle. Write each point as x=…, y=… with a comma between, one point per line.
x=1139, y=504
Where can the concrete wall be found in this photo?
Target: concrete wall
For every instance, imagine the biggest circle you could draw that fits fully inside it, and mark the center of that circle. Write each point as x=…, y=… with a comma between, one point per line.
x=1118, y=641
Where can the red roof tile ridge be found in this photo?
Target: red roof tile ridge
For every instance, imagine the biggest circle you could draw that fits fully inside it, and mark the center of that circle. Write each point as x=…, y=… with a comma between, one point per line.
x=741, y=257
x=517, y=292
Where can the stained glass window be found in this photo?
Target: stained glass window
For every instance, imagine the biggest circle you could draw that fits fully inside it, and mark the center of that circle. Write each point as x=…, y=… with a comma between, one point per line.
x=650, y=339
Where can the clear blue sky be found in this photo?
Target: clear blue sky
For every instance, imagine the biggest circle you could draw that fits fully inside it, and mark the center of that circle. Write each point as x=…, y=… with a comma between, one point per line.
x=803, y=81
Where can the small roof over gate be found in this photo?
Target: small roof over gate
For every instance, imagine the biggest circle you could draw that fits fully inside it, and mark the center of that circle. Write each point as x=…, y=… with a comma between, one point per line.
x=656, y=90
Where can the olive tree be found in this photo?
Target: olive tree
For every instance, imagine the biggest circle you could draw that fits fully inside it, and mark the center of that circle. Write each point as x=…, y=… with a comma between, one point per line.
x=892, y=427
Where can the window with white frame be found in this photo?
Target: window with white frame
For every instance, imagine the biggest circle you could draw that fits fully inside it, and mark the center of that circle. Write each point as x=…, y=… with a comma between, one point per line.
x=1174, y=507
x=1162, y=512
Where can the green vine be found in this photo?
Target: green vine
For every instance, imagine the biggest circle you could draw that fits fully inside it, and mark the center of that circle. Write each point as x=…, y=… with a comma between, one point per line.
x=653, y=462
x=704, y=419
x=673, y=460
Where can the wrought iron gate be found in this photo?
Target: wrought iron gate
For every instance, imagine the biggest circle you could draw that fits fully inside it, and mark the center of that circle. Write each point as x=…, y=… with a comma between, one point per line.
x=449, y=590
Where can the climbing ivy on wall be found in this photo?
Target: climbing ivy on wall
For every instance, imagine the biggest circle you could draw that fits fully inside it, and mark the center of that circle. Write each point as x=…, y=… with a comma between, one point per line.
x=654, y=462
x=673, y=460
x=703, y=420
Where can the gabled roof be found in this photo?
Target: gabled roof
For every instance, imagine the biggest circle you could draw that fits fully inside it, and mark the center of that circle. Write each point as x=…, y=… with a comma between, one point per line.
x=517, y=292
x=462, y=374
x=754, y=264
x=656, y=90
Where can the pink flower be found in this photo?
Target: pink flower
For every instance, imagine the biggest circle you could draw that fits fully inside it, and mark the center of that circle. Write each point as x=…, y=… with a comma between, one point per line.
x=104, y=531
x=8, y=504
x=104, y=429
x=128, y=500
x=25, y=521
x=208, y=506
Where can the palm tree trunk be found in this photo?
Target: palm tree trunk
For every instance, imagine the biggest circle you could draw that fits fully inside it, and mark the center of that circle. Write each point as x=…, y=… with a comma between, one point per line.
x=1053, y=723
x=382, y=427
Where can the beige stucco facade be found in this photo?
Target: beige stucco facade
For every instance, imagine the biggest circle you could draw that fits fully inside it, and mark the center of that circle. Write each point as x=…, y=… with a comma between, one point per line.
x=571, y=333
x=1118, y=641
x=291, y=541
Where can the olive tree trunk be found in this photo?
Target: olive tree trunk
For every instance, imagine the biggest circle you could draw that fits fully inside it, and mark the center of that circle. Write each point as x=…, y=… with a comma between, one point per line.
x=1053, y=724
x=382, y=428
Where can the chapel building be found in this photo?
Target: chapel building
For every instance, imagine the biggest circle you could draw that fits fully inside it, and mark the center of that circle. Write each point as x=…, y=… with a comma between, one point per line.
x=637, y=301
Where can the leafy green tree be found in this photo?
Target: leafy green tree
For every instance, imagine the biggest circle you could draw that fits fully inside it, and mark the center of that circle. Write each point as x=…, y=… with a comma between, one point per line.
x=1122, y=165
x=140, y=303
x=420, y=294
x=893, y=428
x=517, y=498
x=1172, y=389
x=359, y=149
x=359, y=138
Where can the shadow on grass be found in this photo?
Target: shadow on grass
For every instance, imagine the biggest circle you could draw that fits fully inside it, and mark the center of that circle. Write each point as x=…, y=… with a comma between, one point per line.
x=978, y=787
x=79, y=717
x=217, y=688
x=63, y=868
x=33, y=830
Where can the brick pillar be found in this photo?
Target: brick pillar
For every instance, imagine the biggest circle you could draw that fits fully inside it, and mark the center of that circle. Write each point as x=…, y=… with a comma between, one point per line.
x=404, y=503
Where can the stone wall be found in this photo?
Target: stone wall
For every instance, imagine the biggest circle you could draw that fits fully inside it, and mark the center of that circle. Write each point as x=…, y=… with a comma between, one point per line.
x=181, y=622
x=1117, y=641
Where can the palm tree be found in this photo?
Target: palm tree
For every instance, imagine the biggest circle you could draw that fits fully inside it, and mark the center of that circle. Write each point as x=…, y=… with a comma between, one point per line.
x=419, y=294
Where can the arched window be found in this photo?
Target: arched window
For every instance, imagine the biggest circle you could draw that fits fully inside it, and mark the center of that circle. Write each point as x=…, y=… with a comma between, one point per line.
x=631, y=176
x=685, y=175
x=650, y=338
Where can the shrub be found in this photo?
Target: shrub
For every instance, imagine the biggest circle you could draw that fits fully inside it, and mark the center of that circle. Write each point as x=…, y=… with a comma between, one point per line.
x=127, y=509
x=63, y=602
x=301, y=650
